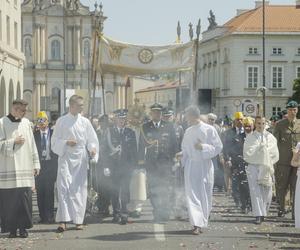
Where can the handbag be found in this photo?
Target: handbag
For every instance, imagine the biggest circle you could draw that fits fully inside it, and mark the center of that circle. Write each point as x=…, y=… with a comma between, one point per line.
x=295, y=162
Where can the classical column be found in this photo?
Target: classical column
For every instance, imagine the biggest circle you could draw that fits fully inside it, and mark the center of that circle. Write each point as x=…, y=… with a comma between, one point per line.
x=78, y=43
x=38, y=42
x=69, y=47
x=37, y=96
x=43, y=47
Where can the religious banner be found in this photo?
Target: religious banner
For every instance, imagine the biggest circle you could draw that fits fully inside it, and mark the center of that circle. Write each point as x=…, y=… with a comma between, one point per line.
x=125, y=58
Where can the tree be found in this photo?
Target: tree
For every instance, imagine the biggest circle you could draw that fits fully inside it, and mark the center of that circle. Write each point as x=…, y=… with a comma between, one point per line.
x=296, y=94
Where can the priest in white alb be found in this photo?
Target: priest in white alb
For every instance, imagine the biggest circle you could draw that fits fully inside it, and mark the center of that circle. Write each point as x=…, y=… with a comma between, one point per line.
x=75, y=142
x=201, y=143
x=19, y=162
x=261, y=153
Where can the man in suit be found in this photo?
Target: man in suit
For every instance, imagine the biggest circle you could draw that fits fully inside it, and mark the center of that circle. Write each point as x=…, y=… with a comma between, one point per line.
x=157, y=149
x=233, y=156
x=122, y=146
x=287, y=133
x=46, y=180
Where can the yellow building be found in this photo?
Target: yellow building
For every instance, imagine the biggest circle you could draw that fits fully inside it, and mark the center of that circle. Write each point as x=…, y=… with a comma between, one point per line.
x=165, y=94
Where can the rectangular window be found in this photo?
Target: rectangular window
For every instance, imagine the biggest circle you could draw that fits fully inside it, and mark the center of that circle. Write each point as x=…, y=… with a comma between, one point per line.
x=253, y=51
x=252, y=77
x=276, y=110
x=277, y=76
x=16, y=35
x=277, y=51
x=8, y=30
x=298, y=72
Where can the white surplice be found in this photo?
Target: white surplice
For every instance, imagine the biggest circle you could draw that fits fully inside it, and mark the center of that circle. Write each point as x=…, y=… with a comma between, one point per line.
x=17, y=162
x=199, y=171
x=73, y=165
x=261, y=153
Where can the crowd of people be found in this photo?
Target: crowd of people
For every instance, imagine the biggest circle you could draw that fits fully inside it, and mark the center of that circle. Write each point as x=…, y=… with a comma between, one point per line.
x=181, y=157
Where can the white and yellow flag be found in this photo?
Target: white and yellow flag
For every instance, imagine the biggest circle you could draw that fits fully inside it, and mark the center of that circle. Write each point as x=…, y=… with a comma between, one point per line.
x=125, y=58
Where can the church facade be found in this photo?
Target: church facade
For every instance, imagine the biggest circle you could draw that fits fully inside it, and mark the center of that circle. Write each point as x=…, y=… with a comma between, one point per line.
x=57, y=40
x=11, y=56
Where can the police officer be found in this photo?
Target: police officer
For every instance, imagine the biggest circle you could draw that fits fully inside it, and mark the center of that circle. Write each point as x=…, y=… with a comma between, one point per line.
x=46, y=179
x=158, y=146
x=287, y=133
x=122, y=159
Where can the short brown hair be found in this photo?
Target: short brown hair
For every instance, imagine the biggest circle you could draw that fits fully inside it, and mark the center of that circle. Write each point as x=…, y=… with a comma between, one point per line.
x=20, y=102
x=74, y=98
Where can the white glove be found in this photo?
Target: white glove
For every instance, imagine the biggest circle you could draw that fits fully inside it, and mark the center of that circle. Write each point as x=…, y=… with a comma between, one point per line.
x=106, y=172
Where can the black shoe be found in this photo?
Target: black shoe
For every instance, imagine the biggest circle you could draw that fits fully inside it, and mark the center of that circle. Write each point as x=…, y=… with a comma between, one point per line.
x=116, y=219
x=12, y=234
x=123, y=221
x=23, y=233
x=258, y=220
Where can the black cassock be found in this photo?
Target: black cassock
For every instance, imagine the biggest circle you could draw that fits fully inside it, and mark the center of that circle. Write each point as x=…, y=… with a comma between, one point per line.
x=15, y=209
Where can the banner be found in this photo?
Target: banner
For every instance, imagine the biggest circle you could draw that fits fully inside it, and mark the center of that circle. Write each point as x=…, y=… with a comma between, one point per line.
x=124, y=58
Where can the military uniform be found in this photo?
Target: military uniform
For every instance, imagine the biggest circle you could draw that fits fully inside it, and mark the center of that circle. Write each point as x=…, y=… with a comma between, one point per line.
x=158, y=146
x=122, y=160
x=287, y=135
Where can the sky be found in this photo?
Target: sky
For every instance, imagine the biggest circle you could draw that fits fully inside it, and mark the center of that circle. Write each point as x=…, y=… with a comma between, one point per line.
x=154, y=22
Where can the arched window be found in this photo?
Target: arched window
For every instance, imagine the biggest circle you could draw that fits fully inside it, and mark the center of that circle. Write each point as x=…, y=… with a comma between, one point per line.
x=86, y=49
x=27, y=47
x=55, y=50
x=2, y=98
x=86, y=53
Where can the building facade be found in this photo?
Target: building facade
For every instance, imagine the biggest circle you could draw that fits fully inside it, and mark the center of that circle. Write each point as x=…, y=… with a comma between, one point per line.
x=11, y=56
x=231, y=64
x=57, y=38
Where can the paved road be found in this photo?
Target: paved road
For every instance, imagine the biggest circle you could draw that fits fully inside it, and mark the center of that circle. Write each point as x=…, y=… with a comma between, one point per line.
x=228, y=230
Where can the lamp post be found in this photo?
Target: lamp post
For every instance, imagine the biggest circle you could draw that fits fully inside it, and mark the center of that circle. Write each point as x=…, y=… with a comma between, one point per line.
x=191, y=33
x=264, y=59
x=179, y=72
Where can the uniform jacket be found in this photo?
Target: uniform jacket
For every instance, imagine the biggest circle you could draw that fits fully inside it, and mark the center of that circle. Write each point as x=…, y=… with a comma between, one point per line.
x=165, y=146
x=126, y=159
x=287, y=138
x=233, y=146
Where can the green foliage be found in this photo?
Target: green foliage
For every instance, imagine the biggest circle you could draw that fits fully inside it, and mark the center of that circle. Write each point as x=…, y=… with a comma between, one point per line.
x=296, y=94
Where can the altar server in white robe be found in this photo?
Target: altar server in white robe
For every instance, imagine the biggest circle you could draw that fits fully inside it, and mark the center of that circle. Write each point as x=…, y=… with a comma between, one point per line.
x=75, y=142
x=200, y=144
x=261, y=153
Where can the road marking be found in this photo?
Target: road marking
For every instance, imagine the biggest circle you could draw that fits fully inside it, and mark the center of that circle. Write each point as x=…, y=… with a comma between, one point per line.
x=159, y=232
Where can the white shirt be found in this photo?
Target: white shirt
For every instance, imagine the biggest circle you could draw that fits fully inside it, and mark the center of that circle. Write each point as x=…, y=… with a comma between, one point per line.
x=47, y=134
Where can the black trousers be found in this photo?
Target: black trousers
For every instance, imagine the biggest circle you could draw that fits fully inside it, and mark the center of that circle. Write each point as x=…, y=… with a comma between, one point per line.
x=45, y=190
x=240, y=187
x=16, y=209
x=159, y=184
x=102, y=184
x=120, y=195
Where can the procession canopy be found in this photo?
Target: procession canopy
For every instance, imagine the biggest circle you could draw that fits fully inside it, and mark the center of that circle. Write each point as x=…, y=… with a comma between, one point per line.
x=125, y=58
